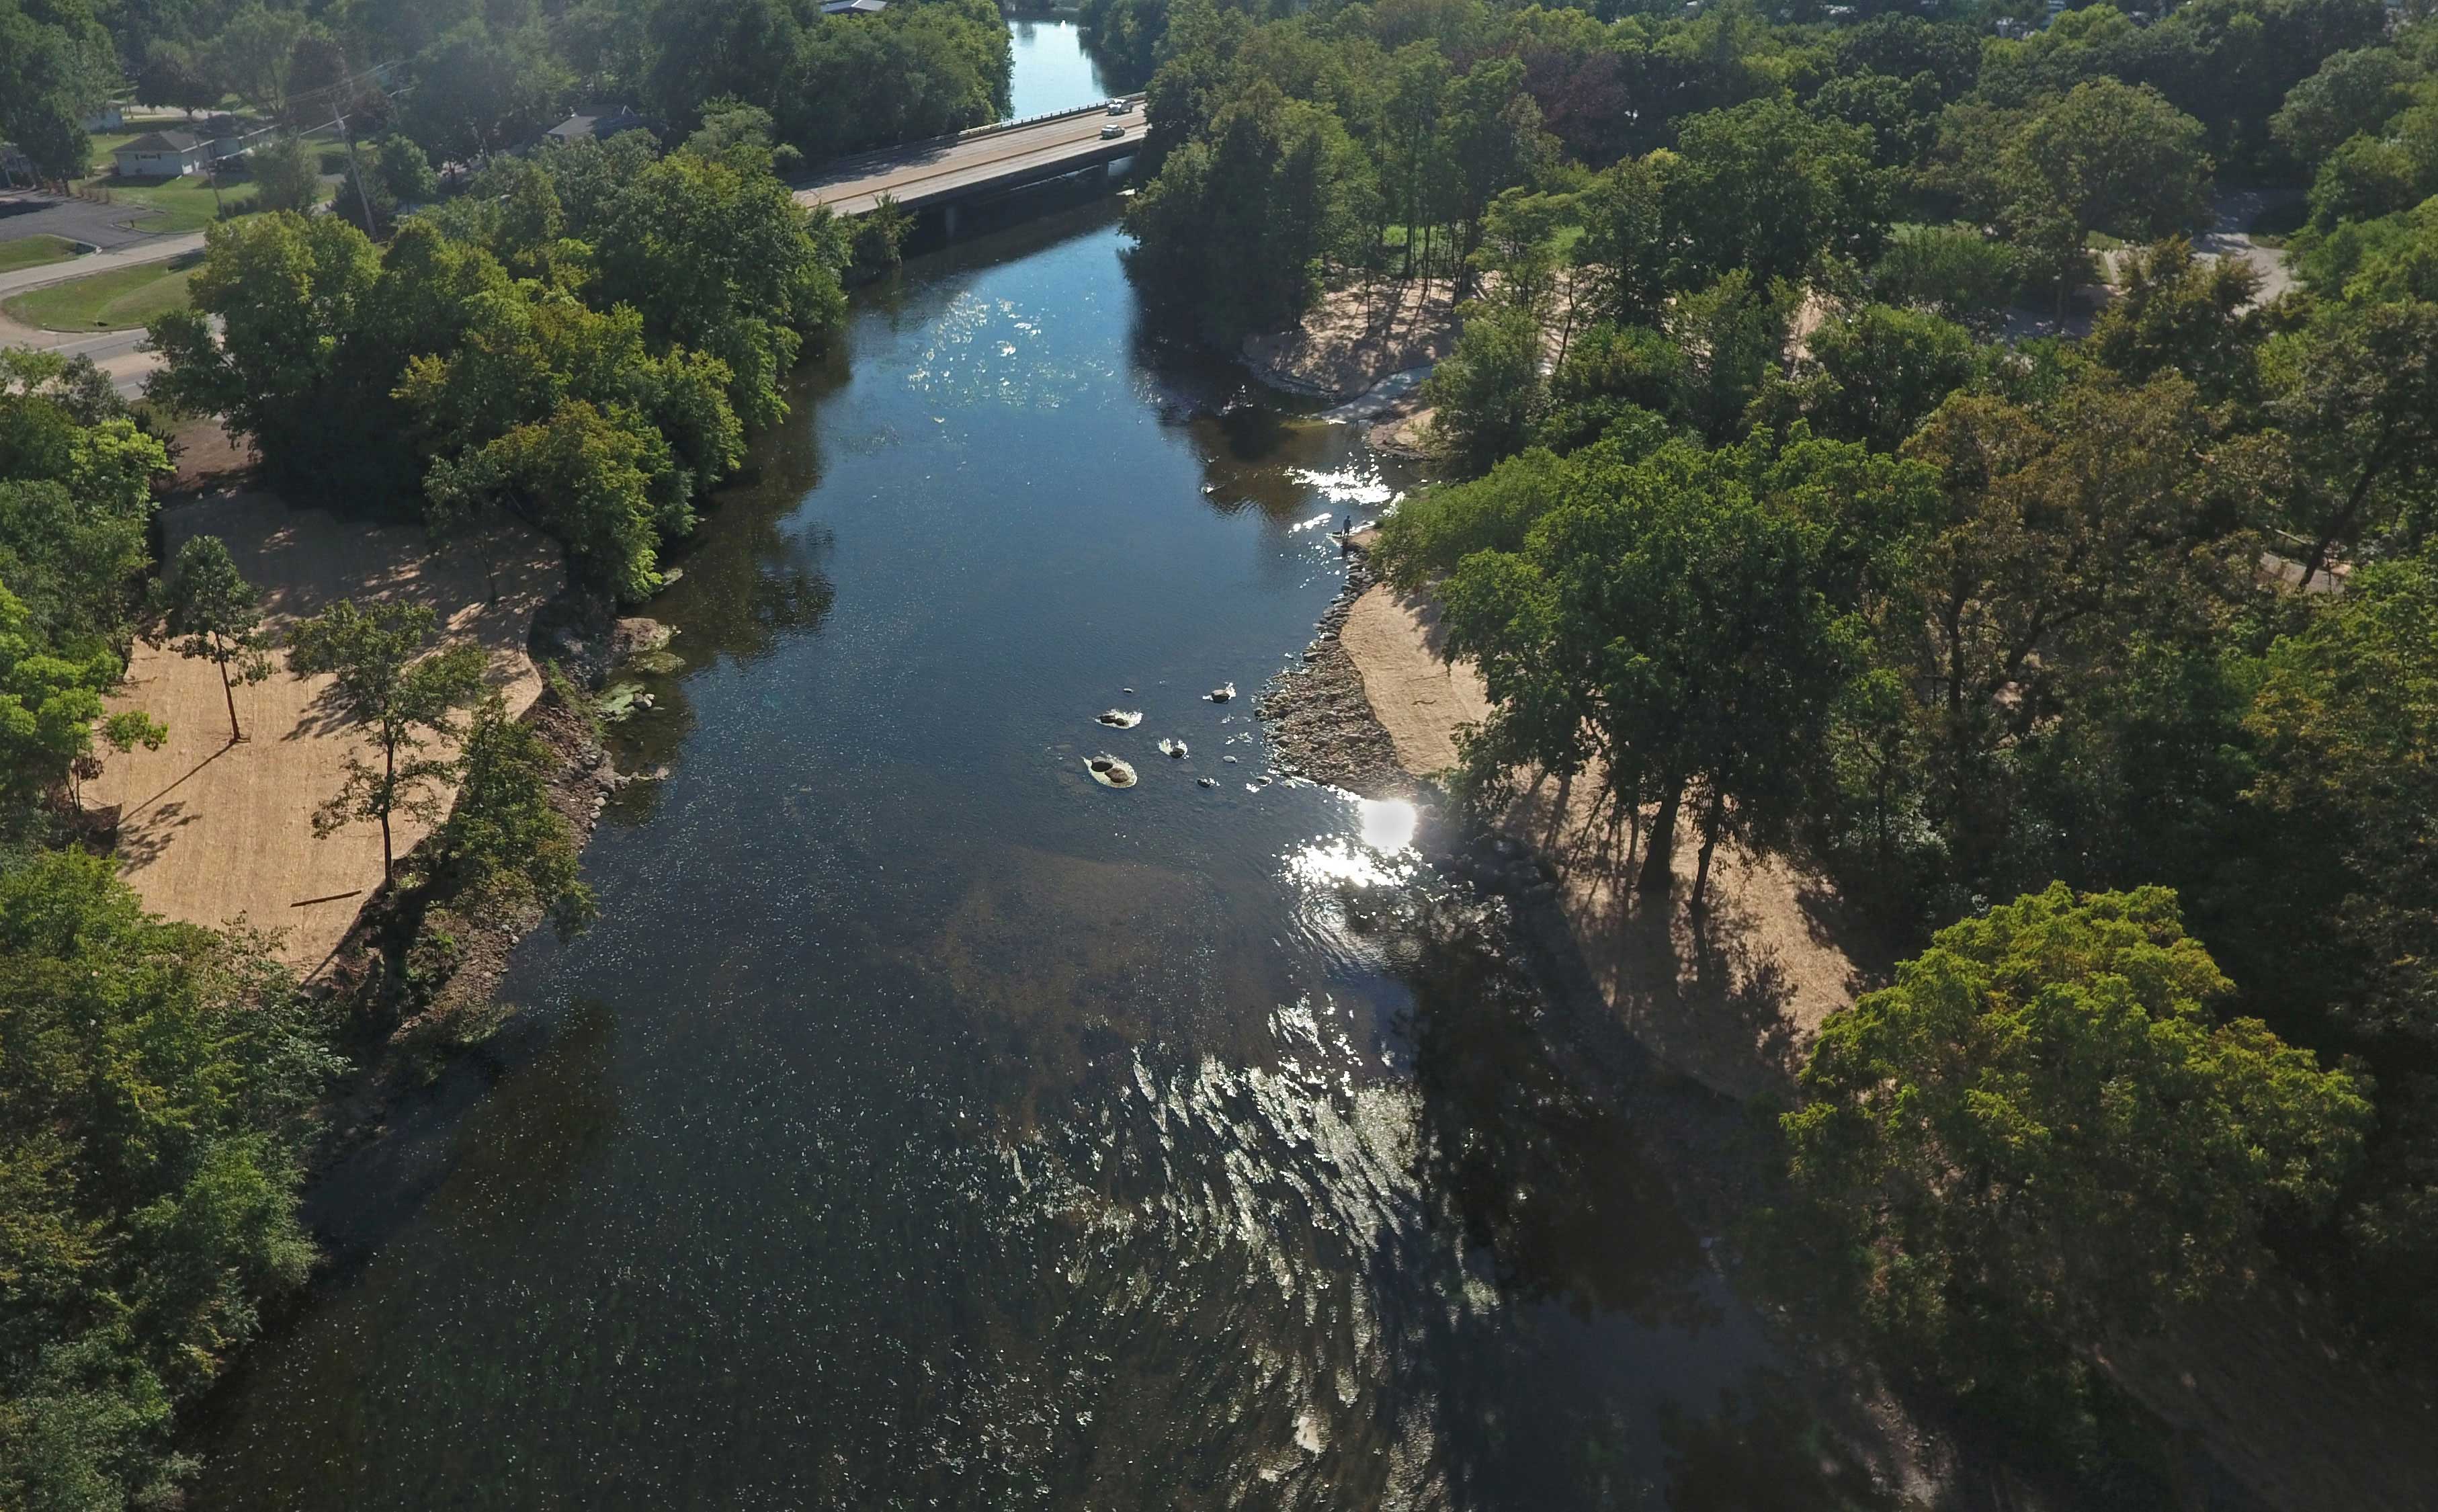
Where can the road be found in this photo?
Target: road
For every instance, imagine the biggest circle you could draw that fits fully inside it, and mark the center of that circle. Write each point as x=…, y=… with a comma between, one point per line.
x=156, y=249
x=924, y=173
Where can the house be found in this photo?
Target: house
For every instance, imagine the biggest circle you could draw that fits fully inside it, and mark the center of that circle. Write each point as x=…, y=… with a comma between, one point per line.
x=855, y=8
x=595, y=123
x=161, y=155
x=225, y=136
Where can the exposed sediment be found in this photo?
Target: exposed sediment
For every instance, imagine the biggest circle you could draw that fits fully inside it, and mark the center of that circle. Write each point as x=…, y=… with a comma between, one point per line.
x=1319, y=717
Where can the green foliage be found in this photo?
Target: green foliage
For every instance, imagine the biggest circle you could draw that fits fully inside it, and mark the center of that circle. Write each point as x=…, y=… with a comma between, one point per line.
x=2042, y=1136
x=1680, y=620
x=1769, y=190
x=1875, y=374
x=1951, y=271
x=286, y=175
x=582, y=340
x=56, y=64
x=2354, y=93
x=2346, y=709
x=2105, y=157
x=2180, y=314
x=1487, y=394
x=155, y=1080
x=1232, y=229
x=387, y=677
x=213, y=612
x=503, y=841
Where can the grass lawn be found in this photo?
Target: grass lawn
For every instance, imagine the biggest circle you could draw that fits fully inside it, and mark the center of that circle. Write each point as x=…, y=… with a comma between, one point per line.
x=33, y=252
x=116, y=301
x=106, y=143
x=179, y=205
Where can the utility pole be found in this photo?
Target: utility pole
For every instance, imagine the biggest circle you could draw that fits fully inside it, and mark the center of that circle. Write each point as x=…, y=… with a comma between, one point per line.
x=355, y=169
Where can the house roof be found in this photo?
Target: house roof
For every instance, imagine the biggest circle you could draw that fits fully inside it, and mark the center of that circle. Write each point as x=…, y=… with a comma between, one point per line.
x=596, y=120
x=152, y=142
x=855, y=8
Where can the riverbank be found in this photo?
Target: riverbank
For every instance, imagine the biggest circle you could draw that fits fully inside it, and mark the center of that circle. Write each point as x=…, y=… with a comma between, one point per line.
x=1356, y=337
x=1730, y=1009
x=210, y=828
x=1733, y=1004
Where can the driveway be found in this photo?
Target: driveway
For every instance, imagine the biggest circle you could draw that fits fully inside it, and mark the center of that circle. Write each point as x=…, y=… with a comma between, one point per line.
x=24, y=213
x=2230, y=238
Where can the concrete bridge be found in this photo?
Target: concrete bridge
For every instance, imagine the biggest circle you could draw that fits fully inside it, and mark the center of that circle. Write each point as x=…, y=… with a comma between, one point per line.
x=986, y=160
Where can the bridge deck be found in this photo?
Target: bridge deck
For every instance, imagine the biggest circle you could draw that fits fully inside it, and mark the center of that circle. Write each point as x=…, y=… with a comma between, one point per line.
x=950, y=167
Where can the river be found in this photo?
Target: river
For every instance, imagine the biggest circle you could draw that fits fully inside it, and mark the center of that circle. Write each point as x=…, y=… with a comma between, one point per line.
x=924, y=1124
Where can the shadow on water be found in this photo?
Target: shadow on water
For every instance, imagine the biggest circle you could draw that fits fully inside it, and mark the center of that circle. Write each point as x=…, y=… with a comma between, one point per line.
x=926, y=1125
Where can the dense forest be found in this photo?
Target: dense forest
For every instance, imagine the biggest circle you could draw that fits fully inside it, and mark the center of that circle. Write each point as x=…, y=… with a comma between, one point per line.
x=1810, y=495
x=582, y=335
x=461, y=81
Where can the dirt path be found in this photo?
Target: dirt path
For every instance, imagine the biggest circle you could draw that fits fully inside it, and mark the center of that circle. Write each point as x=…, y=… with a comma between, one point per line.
x=211, y=831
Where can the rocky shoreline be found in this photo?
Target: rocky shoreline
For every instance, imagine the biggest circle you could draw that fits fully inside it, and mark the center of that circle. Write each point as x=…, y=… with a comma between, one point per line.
x=1319, y=718
x=417, y=977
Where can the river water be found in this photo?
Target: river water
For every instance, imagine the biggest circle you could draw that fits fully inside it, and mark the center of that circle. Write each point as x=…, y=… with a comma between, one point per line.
x=924, y=1124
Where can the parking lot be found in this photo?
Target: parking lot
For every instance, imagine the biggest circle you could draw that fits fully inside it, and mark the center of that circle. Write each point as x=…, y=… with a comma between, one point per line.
x=24, y=213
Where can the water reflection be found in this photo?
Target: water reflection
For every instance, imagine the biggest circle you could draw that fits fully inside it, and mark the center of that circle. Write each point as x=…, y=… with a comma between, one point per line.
x=926, y=1125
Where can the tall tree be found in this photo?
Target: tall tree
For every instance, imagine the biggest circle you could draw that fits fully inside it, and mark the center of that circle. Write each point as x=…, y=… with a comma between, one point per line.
x=388, y=679
x=2043, y=1137
x=214, y=612
x=255, y=53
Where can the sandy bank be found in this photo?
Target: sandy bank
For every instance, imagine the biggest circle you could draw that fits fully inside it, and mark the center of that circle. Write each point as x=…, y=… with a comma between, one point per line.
x=1356, y=337
x=1732, y=1004
x=211, y=831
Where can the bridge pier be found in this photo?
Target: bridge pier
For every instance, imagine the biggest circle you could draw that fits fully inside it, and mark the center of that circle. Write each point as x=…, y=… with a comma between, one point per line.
x=949, y=218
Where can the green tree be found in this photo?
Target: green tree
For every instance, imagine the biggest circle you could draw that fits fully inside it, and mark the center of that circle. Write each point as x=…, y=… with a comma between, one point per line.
x=56, y=66
x=1669, y=620
x=154, y=1108
x=1876, y=374
x=254, y=55
x=1769, y=190
x=1230, y=232
x=2354, y=397
x=2180, y=313
x=289, y=292
x=2345, y=711
x=1953, y=271
x=503, y=840
x=2060, y=530
x=286, y=175
x=51, y=709
x=173, y=76
x=213, y=611
x=387, y=677
x=1625, y=240
x=2354, y=92
x=2040, y=1138
x=1487, y=394
x=2105, y=157
x=478, y=91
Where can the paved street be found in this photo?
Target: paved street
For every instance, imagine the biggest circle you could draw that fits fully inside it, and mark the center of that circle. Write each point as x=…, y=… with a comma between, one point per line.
x=943, y=168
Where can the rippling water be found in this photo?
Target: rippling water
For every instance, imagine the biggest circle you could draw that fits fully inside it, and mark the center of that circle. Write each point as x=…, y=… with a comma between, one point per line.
x=926, y=1125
